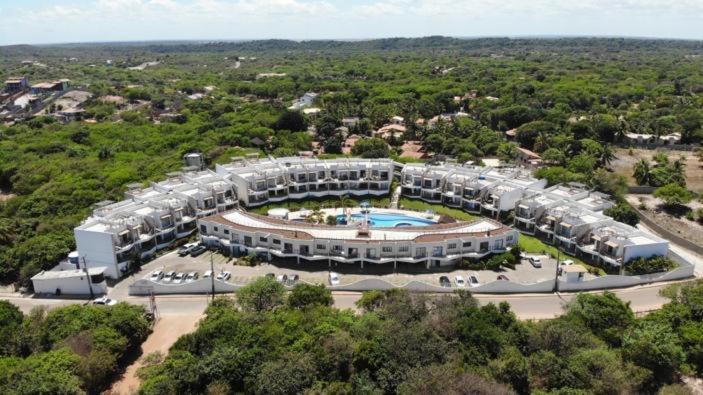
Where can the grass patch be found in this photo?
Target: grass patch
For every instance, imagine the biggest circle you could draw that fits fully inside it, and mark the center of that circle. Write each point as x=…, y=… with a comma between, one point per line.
x=533, y=245
x=419, y=205
x=326, y=202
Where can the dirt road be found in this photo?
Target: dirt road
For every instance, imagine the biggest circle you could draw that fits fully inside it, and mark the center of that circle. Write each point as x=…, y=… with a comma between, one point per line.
x=166, y=331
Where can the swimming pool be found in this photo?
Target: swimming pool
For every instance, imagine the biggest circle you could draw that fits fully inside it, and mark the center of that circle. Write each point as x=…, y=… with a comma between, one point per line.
x=378, y=220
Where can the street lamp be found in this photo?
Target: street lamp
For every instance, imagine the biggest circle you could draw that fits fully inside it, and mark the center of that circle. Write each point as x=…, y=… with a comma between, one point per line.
x=212, y=275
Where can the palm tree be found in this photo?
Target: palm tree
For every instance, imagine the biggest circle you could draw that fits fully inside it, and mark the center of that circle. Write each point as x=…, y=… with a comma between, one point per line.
x=642, y=172
x=606, y=155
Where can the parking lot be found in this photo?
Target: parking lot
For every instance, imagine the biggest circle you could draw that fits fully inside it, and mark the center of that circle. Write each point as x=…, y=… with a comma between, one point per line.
x=524, y=273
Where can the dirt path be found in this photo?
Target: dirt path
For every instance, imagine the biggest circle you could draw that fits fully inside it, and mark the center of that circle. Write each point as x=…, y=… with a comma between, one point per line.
x=166, y=331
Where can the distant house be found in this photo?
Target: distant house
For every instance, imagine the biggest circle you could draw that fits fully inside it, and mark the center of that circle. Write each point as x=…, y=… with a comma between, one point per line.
x=397, y=120
x=528, y=158
x=312, y=111
x=306, y=100
x=70, y=114
x=350, y=121
x=651, y=139
x=389, y=130
x=349, y=143
x=15, y=84
x=53, y=86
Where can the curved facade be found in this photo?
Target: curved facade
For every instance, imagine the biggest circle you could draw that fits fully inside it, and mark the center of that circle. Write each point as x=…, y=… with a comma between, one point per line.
x=239, y=232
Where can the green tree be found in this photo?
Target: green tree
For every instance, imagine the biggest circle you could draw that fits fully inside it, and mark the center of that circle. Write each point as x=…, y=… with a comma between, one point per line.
x=306, y=295
x=673, y=195
x=656, y=347
x=623, y=212
x=261, y=295
x=605, y=315
x=371, y=148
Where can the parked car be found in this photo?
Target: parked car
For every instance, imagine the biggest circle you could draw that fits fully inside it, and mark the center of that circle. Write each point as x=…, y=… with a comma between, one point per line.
x=459, y=281
x=186, y=249
x=198, y=250
x=192, y=276
x=334, y=278
x=105, y=301
x=157, y=275
x=224, y=276
x=168, y=276
x=473, y=281
x=567, y=262
x=293, y=278
x=535, y=261
x=282, y=278
x=207, y=274
x=179, y=277
x=444, y=281
x=502, y=277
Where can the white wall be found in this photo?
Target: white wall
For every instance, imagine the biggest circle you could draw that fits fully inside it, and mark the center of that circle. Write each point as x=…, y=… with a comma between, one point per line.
x=68, y=286
x=98, y=251
x=646, y=250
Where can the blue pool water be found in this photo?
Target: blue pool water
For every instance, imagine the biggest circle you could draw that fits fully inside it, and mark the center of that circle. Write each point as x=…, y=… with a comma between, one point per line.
x=378, y=220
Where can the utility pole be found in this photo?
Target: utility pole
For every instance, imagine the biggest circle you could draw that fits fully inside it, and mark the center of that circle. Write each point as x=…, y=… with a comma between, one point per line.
x=212, y=275
x=556, y=274
x=90, y=286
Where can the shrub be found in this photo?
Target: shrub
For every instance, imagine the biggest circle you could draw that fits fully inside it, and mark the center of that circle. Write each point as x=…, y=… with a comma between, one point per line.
x=655, y=264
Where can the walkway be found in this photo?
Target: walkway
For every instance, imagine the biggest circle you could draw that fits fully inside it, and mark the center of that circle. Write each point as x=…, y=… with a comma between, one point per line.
x=395, y=198
x=166, y=331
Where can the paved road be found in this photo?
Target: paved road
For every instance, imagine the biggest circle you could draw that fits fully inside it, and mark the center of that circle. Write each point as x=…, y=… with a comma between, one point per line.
x=528, y=306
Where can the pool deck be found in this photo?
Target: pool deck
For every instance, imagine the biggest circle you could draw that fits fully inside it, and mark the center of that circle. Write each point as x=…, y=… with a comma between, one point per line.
x=302, y=214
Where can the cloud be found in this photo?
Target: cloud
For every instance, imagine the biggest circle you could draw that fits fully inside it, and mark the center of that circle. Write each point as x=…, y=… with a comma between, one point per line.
x=104, y=20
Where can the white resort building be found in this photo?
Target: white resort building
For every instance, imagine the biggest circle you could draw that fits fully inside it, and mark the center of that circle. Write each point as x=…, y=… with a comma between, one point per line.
x=155, y=217
x=432, y=246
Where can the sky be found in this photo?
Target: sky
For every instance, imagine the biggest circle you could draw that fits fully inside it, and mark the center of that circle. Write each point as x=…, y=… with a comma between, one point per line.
x=62, y=21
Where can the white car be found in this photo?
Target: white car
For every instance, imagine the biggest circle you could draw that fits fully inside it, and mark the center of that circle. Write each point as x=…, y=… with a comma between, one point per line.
x=224, y=276
x=567, y=262
x=207, y=274
x=459, y=281
x=168, y=276
x=473, y=281
x=535, y=261
x=105, y=301
x=157, y=275
x=282, y=278
x=179, y=278
x=192, y=276
x=334, y=278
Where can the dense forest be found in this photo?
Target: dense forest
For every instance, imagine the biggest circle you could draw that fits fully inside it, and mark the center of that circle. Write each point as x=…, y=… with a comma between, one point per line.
x=268, y=342
x=570, y=100
x=69, y=350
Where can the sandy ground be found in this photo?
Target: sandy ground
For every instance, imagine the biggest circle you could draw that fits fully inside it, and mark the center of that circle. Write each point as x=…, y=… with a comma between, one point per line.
x=625, y=162
x=167, y=330
x=689, y=230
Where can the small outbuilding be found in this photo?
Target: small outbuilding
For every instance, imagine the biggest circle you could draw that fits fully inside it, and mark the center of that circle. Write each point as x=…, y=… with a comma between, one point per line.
x=574, y=273
x=70, y=282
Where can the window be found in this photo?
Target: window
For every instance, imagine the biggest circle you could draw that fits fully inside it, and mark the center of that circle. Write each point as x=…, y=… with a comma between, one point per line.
x=226, y=231
x=387, y=249
x=203, y=228
x=451, y=246
x=215, y=229
x=276, y=241
x=403, y=248
x=320, y=246
x=467, y=244
x=336, y=248
x=263, y=239
x=509, y=238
